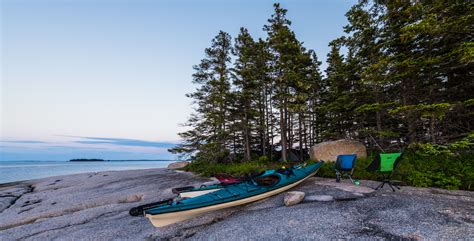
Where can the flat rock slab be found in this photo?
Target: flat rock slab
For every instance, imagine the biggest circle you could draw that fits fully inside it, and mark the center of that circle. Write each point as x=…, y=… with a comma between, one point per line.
x=319, y=198
x=90, y=206
x=344, y=185
x=178, y=165
x=94, y=206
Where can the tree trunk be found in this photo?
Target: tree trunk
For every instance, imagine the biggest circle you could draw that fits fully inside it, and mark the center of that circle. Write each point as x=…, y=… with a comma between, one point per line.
x=283, y=132
x=378, y=116
x=432, y=128
x=246, y=137
x=410, y=120
x=289, y=127
x=270, y=124
x=264, y=123
x=300, y=133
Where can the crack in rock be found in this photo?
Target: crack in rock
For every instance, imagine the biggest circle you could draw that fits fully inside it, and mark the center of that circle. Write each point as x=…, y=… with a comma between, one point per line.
x=70, y=225
x=375, y=230
x=188, y=232
x=14, y=198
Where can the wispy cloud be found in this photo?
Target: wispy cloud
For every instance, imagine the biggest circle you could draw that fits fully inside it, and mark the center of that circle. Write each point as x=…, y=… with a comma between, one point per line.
x=25, y=142
x=124, y=142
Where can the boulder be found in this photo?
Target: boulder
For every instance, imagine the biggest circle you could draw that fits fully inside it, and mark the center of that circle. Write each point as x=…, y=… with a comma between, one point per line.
x=293, y=197
x=178, y=165
x=329, y=150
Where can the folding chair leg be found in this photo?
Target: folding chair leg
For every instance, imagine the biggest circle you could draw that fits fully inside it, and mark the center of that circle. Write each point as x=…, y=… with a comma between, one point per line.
x=380, y=186
x=338, y=177
x=391, y=186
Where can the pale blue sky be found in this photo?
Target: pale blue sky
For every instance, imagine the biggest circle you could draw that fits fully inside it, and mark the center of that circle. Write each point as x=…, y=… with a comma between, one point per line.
x=107, y=79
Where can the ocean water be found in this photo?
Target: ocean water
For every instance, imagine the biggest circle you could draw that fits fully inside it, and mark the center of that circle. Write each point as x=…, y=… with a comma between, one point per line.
x=11, y=171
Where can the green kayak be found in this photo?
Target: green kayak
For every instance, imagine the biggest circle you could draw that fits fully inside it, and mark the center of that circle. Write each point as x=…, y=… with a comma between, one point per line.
x=196, y=201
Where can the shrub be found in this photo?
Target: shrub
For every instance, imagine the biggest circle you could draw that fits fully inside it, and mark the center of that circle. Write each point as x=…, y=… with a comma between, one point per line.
x=417, y=168
x=208, y=169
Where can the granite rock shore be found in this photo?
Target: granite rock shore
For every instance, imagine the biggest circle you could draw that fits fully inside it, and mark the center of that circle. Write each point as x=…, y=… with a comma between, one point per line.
x=94, y=206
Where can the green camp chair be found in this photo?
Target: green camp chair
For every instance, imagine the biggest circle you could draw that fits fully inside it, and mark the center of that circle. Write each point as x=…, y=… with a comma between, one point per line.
x=386, y=163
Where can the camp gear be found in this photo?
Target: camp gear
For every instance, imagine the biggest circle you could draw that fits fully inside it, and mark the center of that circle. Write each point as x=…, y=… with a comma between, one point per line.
x=386, y=163
x=294, y=155
x=268, y=184
x=228, y=179
x=345, y=166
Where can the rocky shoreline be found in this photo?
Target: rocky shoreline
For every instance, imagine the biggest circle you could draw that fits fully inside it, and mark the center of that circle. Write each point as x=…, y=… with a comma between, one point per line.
x=94, y=206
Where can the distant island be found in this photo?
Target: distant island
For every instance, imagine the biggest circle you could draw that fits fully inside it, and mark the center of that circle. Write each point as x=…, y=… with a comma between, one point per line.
x=86, y=160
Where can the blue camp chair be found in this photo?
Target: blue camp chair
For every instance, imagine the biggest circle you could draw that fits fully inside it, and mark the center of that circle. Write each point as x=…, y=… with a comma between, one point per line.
x=345, y=166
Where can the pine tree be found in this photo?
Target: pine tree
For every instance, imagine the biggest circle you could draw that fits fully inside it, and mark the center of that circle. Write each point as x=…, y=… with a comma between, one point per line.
x=285, y=49
x=209, y=136
x=336, y=77
x=246, y=82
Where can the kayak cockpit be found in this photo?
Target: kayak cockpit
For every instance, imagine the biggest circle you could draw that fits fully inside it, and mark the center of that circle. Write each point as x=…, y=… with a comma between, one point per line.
x=268, y=180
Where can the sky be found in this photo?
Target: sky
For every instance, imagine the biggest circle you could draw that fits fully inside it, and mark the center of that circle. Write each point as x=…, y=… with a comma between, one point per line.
x=107, y=79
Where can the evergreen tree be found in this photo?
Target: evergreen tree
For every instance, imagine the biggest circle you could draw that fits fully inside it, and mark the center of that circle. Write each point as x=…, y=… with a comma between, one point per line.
x=337, y=99
x=209, y=135
x=246, y=82
x=286, y=50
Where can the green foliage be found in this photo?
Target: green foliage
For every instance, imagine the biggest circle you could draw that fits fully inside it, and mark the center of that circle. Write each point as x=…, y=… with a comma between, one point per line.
x=430, y=149
x=469, y=102
x=426, y=110
x=208, y=169
x=464, y=144
x=263, y=159
x=421, y=179
x=417, y=168
x=421, y=170
x=374, y=107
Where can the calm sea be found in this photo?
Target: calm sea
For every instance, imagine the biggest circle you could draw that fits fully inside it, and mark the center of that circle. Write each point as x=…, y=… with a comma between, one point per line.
x=11, y=171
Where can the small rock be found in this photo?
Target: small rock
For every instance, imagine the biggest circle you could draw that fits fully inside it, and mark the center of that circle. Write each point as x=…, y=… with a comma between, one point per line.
x=320, y=198
x=178, y=165
x=293, y=197
x=415, y=236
